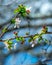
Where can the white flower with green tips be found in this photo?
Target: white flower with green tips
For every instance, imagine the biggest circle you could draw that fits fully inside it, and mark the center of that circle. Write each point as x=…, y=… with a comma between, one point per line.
x=17, y=22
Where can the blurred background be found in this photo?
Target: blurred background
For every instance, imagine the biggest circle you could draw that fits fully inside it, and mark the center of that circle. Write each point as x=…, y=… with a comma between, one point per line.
x=41, y=14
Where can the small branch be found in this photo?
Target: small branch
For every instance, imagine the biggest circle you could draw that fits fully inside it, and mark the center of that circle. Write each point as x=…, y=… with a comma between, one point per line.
x=26, y=26
x=31, y=18
x=23, y=37
x=4, y=32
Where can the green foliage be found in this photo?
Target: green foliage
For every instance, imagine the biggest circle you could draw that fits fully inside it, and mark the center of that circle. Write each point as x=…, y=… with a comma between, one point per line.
x=9, y=47
x=13, y=21
x=35, y=36
x=31, y=37
x=30, y=40
x=18, y=39
x=9, y=43
x=40, y=39
x=44, y=30
x=21, y=10
x=45, y=40
x=4, y=29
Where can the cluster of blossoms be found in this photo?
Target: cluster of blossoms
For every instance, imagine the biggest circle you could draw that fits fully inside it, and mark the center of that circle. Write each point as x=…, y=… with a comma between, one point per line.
x=38, y=38
x=23, y=11
x=33, y=43
x=8, y=44
x=28, y=10
x=17, y=22
x=33, y=40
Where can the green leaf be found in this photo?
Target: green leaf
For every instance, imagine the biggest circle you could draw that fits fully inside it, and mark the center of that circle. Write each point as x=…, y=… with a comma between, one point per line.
x=12, y=21
x=36, y=36
x=20, y=39
x=46, y=40
x=30, y=40
x=10, y=42
x=46, y=29
x=4, y=29
x=39, y=40
x=17, y=39
x=23, y=14
x=9, y=47
x=16, y=10
x=21, y=10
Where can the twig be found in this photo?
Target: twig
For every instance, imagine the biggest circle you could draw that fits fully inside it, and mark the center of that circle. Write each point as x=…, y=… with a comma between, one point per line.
x=4, y=32
x=31, y=18
x=26, y=26
x=23, y=37
x=6, y=29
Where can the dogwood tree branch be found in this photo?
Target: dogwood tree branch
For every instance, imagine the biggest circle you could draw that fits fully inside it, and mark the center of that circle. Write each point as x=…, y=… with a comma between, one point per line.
x=27, y=36
x=4, y=32
x=26, y=26
x=31, y=18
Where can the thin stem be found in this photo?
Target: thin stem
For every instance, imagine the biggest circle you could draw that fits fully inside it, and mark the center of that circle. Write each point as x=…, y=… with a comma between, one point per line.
x=31, y=18
x=4, y=32
x=23, y=37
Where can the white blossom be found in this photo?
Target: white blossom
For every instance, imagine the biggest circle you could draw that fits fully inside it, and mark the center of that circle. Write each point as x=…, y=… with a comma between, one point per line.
x=32, y=45
x=31, y=42
x=17, y=22
x=28, y=8
x=15, y=45
x=6, y=44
